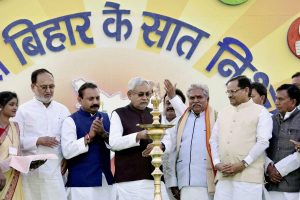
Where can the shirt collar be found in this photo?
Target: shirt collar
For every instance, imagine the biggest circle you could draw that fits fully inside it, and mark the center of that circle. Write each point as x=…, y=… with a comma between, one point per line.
x=165, y=121
x=288, y=114
x=87, y=114
x=199, y=115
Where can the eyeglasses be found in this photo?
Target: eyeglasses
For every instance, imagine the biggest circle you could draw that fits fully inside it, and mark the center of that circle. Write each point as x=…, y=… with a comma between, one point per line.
x=141, y=94
x=45, y=87
x=233, y=91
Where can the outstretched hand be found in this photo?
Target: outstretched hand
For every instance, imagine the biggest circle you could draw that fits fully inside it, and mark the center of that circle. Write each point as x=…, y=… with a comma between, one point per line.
x=170, y=88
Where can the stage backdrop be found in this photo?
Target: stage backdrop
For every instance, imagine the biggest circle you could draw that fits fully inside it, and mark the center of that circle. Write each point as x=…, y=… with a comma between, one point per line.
x=109, y=42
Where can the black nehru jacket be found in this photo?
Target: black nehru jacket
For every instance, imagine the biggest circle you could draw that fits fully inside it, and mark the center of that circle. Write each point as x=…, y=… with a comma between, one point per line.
x=281, y=147
x=130, y=165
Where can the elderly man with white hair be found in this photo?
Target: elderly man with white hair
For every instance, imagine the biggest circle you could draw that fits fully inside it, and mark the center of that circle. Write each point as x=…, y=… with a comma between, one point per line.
x=132, y=169
x=194, y=167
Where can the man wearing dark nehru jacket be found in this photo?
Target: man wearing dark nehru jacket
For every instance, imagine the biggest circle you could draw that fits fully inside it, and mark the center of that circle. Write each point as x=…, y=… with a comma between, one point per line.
x=84, y=138
x=133, y=171
x=283, y=160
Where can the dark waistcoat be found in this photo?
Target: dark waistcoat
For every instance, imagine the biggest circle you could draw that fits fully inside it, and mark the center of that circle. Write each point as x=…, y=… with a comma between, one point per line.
x=129, y=163
x=281, y=147
x=85, y=170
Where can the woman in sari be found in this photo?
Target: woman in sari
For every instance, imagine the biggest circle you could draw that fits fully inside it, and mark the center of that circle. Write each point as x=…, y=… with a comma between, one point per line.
x=9, y=146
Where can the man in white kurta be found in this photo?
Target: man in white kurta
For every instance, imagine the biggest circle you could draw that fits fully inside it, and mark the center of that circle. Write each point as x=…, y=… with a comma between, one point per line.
x=239, y=139
x=174, y=106
x=194, y=175
x=40, y=121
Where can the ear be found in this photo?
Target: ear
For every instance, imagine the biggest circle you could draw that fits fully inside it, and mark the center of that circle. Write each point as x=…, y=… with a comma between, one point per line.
x=263, y=98
x=129, y=95
x=247, y=90
x=32, y=86
x=79, y=99
x=294, y=101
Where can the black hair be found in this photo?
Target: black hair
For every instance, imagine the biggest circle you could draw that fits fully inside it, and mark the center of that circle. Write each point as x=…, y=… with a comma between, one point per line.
x=261, y=90
x=243, y=82
x=6, y=96
x=179, y=93
x=85, y=86
x=292, y=91
x=37, y=72
x=296, y=75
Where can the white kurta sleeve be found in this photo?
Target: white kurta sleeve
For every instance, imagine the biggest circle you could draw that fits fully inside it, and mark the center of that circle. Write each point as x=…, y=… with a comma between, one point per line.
x=214, y=143
x=28, y=143
x=170, y=160
x=166, y=140
x=263, y=134
x=178, y=105
x=71, y=146
x=116, y=139
x=288, y=164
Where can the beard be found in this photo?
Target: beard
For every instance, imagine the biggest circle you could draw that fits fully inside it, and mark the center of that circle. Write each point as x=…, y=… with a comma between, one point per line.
x=43, y=99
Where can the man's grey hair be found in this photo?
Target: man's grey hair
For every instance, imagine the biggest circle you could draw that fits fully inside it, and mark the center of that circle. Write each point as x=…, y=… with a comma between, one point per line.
x=136, y=81
x=202, y=87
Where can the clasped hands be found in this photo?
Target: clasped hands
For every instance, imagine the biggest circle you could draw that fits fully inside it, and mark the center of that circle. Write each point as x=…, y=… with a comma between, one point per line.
x=98, y=129
x=273, y=173
x=230, y=169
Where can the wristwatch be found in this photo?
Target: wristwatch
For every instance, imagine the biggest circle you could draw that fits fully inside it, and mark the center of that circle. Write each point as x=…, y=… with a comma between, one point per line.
x=245, y=163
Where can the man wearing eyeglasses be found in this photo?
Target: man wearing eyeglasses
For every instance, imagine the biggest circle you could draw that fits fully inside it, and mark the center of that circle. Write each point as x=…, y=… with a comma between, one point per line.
x=133, y=170
x=40, y=121
x=239, y=139
x=283, y=167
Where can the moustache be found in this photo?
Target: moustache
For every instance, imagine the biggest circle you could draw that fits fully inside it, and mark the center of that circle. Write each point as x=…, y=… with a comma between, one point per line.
x=193, y=105
x=196, y=104
x=95, y=106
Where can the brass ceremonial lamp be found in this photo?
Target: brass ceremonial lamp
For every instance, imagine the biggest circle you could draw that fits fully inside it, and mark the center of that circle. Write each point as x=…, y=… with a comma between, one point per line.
x=156, y=131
